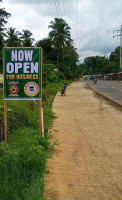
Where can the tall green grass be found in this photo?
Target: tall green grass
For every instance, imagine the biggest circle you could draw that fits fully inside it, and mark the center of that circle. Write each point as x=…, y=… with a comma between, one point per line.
x=23, y=157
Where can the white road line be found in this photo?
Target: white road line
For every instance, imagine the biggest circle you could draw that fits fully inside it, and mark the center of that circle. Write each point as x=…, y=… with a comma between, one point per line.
x=117, y=89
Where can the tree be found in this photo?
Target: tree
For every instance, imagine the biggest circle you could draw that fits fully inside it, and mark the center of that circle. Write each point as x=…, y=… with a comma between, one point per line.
x=49, y=52
x=60, y=35
x=3, y=16
x=12, y=38
x=69, y=60
x=115, y=59
x=3, y=20
x=96, y=65
x=79, y=71
x=27, y=40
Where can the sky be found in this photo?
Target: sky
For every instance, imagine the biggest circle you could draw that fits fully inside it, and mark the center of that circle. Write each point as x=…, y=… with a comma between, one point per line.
x=92, y=21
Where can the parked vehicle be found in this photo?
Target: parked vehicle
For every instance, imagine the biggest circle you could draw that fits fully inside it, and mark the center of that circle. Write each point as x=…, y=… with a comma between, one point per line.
x=92, y=77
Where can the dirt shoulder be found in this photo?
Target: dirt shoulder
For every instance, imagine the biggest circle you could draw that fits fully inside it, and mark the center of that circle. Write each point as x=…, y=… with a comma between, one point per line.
x=87, y=163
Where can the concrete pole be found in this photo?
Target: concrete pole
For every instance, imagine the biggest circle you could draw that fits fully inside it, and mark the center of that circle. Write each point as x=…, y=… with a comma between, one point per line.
x=120, y=46
x=121, y=49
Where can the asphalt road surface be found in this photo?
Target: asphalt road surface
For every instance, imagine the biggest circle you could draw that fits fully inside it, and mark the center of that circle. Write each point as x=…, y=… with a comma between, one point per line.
x=111, y=89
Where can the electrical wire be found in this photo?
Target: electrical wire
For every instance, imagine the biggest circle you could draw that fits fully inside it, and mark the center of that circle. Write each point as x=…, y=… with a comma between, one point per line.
x=76, y=24
x=59, y=7
x=64, y=11
x=56, y=8
x=48, y=9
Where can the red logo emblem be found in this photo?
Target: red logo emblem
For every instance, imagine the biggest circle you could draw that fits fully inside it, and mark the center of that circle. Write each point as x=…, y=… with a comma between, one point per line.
x=13, y=89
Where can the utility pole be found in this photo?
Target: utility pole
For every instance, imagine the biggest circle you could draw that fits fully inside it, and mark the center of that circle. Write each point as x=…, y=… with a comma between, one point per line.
x=120, y=34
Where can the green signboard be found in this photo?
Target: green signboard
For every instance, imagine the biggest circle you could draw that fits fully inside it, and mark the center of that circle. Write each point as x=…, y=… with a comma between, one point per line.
x=22, y=73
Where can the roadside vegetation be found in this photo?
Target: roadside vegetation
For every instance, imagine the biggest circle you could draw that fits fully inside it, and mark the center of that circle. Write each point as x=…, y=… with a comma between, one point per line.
x=102, y=64
x=23, y=156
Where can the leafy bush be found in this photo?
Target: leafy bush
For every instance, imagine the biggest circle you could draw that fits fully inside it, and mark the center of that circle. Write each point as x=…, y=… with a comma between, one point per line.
x=54, y=78
x=22, y=161
x=23, y=157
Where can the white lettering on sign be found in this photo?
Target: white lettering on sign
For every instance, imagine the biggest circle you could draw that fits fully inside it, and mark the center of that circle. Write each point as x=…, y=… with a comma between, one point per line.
x=21, y=55
x=22, y=62
x=28, y=55
x=10, y=68
x=34, y=67
x=26, y=68
x=13, y=55
x=17, y=67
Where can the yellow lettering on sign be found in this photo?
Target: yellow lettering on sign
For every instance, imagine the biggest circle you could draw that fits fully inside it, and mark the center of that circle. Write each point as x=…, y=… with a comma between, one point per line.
x=23, y=76
x=37, y=76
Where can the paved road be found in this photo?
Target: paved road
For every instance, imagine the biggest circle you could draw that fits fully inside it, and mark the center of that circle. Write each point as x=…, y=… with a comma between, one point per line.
x=111, y=89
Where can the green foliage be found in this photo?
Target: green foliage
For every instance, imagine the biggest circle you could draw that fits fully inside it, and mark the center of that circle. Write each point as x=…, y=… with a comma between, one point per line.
x=22, y=163
x=70, y=56
x=49, y=93
x=79, y=71
x=102, y=65
x=26, y=39
x=57, y=49
x=67, y=65
x=23, y=157
x=60, y=35
x=3, y=16
x=49, y=52
x=48, y=71
x=115, y=60
x=1, y=69
x=3, y=20
x=12, y=38
x=61, y=75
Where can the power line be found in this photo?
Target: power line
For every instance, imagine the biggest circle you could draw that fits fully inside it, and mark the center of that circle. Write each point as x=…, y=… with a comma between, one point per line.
x=77, y=9
x=76, y=23
x=64, y=11
x=43, y=3
x=119, y=35
x=48, y=9
x=59, y=7
x=56, y=8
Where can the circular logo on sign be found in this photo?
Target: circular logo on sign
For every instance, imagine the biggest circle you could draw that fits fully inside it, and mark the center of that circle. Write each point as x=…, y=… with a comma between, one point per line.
x=13, y=89
x=31, y=89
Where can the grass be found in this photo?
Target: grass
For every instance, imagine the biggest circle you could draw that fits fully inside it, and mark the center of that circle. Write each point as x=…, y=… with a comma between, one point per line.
x=1, y=78
x=21, y=163
x=23, y=157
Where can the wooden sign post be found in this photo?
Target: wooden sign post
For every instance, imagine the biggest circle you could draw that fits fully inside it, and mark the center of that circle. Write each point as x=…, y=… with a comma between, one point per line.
x=40, y=121
x=5, y=120
x=41, y=124
x=22, y=77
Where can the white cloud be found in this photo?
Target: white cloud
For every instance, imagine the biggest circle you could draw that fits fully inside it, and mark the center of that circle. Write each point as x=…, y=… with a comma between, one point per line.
x=95, y=24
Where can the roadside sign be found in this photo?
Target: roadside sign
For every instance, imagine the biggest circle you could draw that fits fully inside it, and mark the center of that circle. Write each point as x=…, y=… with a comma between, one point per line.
x=22, y=73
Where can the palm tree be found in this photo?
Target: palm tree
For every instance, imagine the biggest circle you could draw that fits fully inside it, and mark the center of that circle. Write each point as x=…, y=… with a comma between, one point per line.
x=59, y=35
x=13, y=37
x=27, y=41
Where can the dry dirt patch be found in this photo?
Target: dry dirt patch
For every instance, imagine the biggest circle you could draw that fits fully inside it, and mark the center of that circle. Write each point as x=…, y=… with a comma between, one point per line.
x=87, y=163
